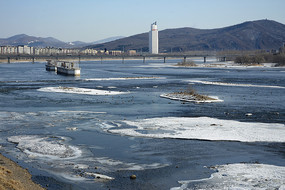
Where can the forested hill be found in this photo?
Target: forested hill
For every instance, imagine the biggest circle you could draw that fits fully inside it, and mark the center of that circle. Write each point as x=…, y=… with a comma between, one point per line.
x=260, y=34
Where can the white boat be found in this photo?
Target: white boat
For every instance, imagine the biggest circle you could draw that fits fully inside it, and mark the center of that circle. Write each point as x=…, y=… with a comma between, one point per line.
x=68, y=68
x=63, y=67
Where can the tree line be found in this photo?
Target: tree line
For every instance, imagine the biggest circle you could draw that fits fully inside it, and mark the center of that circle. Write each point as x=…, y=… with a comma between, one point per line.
x=279, y=59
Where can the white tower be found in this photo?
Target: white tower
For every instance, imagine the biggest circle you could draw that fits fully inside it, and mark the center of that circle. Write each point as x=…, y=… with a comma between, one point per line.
x=153, y=39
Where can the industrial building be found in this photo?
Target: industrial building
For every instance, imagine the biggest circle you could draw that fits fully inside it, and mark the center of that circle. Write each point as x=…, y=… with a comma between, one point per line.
x=153, y=39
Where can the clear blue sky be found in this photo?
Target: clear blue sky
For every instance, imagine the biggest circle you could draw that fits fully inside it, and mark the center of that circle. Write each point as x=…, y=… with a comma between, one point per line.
x=91, y=20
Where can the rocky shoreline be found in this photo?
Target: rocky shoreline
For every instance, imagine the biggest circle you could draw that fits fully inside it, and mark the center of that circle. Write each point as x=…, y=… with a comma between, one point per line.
x=12, y=176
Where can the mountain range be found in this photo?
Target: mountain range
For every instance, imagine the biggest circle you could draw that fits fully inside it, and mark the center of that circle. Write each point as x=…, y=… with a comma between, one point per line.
x=251, y=35
x=23, y=39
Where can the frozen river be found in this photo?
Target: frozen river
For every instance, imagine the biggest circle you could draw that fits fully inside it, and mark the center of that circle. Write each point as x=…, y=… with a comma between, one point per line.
x=95, y=131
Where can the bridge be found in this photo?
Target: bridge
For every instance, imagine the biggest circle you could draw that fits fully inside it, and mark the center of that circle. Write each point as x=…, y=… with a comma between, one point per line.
x=10, y=57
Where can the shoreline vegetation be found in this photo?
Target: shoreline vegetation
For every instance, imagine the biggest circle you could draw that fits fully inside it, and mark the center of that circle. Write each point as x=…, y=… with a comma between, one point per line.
x=258, y=59
x=14, y=177
x=186, y=64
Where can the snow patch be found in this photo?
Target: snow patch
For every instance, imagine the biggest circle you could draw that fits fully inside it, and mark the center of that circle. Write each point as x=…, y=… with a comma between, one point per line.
x=45, y=147
x=241, y=176
x=75, y=90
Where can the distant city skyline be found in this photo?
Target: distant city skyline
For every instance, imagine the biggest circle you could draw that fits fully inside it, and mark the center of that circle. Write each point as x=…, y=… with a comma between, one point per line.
x=92, y=20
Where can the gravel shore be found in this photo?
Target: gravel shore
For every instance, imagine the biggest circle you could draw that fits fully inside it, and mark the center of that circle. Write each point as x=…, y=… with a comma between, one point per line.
x=12, y=176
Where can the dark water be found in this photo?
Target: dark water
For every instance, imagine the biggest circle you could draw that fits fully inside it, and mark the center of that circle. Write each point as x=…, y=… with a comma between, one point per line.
x=63, y=135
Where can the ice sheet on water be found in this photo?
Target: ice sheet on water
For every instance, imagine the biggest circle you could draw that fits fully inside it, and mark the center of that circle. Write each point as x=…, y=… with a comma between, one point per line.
x=79, y=112
x=234, y=84
x=157, y=65
x=203, y=128
x=48, y=147
x=122, y=78
x=241, y=176
x=11, y=115
x=56, y=156
x=75, y=90
x=98, y=168
x=81, y=166
x=119, y=165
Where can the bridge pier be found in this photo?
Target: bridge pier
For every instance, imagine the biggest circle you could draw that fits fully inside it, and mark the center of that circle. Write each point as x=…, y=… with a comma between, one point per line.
x=204, y=59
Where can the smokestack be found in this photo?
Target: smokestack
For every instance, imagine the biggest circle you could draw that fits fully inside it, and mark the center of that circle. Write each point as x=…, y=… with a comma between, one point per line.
x=153, y=39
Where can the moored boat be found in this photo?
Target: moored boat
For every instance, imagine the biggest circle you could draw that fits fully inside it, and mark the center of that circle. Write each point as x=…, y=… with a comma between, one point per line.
x=63, y=67
x=68, y=68
x=51, y=65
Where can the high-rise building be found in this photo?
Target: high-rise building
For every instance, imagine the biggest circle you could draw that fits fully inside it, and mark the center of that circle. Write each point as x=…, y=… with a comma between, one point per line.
x=153, y=39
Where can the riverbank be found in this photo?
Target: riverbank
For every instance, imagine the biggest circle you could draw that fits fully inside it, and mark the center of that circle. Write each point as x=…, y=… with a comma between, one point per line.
x=12, y=176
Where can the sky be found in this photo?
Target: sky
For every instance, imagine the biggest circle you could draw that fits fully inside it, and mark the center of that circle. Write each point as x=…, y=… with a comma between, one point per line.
x=92, y=20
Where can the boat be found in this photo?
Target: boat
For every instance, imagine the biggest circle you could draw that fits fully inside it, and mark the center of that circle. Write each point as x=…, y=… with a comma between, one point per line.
x=51, y=65
x=63, y=67
x=68, y=68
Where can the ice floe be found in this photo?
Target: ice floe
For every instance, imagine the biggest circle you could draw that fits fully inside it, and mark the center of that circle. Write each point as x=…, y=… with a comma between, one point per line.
x=75, y=90
x=70, y=177
x=47, y=147
x=99, y=176
x=202, y=128
x=119, y=165
x=72, y=128
x=233, y=84
x=110, y=87
x=122, y=78
x=81, y=166
x=241, y=176
x=79, y=112
x=136, y=167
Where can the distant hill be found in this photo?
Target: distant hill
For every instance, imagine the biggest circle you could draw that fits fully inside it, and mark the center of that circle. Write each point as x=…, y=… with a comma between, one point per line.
x=108, y=39
x=23, y=39
x=261, y=34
